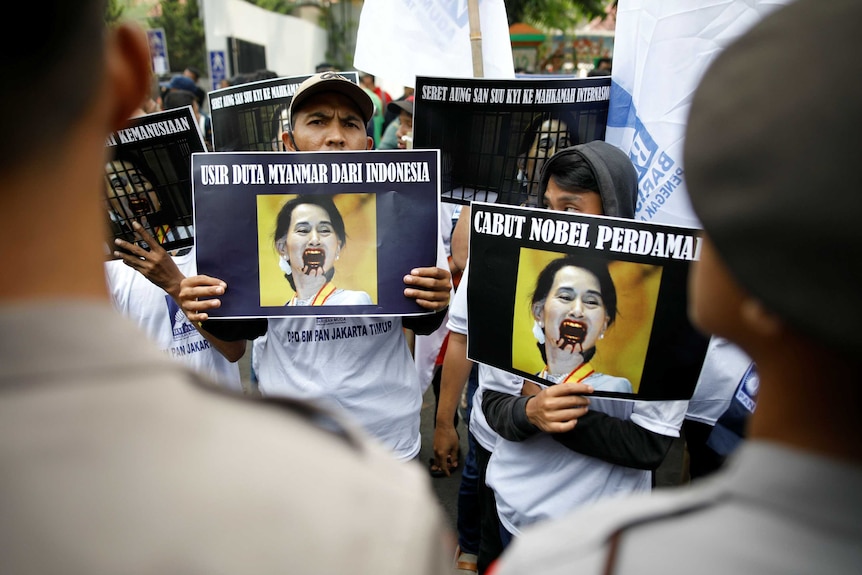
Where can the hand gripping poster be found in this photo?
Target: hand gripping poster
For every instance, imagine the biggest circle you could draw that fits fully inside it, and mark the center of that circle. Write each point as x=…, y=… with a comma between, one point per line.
x=148, y=178
x=315, y=233
x=253, y=116
x=495, y=135
x=556, y=296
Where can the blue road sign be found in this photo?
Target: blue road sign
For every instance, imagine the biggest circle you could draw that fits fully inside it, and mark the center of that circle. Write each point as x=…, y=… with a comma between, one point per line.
x=158, y=50
x=218, y=67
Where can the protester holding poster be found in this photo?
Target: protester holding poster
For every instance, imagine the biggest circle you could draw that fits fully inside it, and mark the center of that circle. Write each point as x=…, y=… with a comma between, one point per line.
x=359, y=365
x=788, y=500
x=152, y=156
x=144, y=285
x=536, y=422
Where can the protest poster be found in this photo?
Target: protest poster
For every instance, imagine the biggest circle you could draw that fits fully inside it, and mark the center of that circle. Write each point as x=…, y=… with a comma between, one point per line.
x=275, y=262
x=494, y=135
x=148, y=177
x=610, y=288
x=251, y=117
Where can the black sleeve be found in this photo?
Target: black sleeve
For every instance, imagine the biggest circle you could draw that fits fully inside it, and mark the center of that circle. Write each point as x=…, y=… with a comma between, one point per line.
x=235, y=329
x=424, y=324
x=597, y=434
x=617, y=441
x=507, y=415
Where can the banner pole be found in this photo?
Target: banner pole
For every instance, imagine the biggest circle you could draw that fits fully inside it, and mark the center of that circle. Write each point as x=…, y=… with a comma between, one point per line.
x=475, y=38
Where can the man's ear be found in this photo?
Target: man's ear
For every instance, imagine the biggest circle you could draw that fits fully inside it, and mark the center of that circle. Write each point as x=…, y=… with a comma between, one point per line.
x=369, y=143
x=128, y=70
x=287, y=139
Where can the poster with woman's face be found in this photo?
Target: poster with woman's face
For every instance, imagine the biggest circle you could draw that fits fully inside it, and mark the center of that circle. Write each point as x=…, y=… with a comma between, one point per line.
x=148, y=178
x=310, y=239
x=495, y=135
x=316, y=233
x=558, y=297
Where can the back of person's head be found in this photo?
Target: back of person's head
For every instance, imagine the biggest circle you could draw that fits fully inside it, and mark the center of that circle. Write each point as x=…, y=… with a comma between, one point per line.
x=180, y=82
x=178, y=98
x=192, y=72
x=62, y=63
x=771, y=155
x=263, y=74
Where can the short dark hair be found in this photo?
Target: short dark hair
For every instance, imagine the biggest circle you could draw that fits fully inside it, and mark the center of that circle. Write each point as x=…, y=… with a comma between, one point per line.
x=67, y=61
x=195, y=72
x=175, y=98
x=569, y=171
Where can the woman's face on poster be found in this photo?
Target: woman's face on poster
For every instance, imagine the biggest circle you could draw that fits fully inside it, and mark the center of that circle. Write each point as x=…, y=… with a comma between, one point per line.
x=130, y=192
x=573, y=315
x=551, y=136
x=311, y=243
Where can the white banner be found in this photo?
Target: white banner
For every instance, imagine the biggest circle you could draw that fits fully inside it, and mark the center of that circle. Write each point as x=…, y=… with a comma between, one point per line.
x=661, y=50
x=401, y=39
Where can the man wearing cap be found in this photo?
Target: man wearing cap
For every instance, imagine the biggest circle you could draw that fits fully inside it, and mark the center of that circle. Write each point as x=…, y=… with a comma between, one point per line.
x=778, y=276
x=372, y=376
x=399, y=132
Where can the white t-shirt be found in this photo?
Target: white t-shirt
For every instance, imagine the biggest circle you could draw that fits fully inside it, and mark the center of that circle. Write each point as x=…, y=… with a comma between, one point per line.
x=479, y=428
x=358, y=365
x=723, y=368
x=165, y=323
x=540, y=479
x=361, y=366
x=426, y=348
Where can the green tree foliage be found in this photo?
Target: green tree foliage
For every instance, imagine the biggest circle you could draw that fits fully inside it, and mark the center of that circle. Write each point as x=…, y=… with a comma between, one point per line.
x=113, y=12
x=554, y=14
x=279, y=6
x=184, y=34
